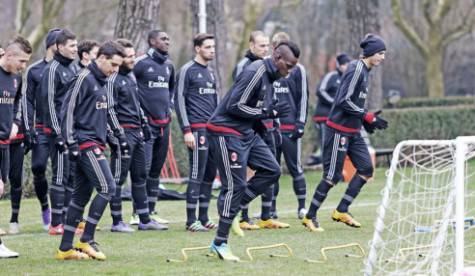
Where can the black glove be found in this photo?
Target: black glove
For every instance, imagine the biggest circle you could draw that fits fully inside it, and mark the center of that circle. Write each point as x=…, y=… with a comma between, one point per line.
x=277, y=109
x=278, y=137
x=60, y=144
x=74, y=152
x=298, y=131
x=368, y=127
x=259, y=128
x=375, y=120
x=29, y=141
x=147, y=132
x=124, y=145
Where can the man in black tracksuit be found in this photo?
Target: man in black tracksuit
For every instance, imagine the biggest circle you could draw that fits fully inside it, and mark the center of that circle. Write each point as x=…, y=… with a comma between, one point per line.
x=131, y=128
x=196, y=99
x=35, y=138
x=87, y=51
x=156, y=80
x=342, y=135
x=325, y=92
x=294, y=91
x=85, y=128
x=12, y=62
x=258, y=49
x=233, y=141
x=54, y=85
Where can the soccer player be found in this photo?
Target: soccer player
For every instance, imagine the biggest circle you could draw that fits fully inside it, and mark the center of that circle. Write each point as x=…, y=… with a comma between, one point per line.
x=233, y=141
x=12, y=62
x=34, y=139
x=156, y=80
x=54, y=84
x=294, y=91
x=196, y=100
x=326, y=91
x=258, y=49
x=342, y=135
x=131, y=128
x=85, y=129
x=87, y=51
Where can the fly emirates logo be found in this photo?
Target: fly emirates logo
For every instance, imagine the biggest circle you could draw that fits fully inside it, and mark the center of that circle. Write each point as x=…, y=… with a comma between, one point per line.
x=161, y=83
x=208, y=90
x=6, y=98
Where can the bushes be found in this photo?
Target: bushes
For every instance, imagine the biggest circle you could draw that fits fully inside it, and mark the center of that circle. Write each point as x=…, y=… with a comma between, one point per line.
x=425, y=123
x=427, y=102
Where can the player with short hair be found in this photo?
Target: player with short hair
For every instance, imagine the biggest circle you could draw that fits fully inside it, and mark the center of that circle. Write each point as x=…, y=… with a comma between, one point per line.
x=12, y=62
x=343, y=137
x=235, y=145
x=84, y=125
x=196, y=99
x=33, y=138
x=54, y=84
x=131, y=129
x=87, y=52
x=156, y=81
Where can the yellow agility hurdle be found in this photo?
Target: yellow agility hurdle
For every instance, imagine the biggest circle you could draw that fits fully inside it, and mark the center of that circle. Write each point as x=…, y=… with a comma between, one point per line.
x=328, y=248
x=256, y=248
x=185, y=256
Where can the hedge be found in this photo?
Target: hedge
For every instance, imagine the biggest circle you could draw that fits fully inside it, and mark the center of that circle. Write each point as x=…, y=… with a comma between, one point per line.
x=427, y=102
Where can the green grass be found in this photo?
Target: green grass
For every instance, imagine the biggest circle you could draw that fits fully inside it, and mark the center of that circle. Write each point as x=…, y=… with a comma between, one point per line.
x=145, y=253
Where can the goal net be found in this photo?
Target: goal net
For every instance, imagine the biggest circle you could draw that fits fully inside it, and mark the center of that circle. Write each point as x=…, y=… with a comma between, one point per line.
x=426, y=222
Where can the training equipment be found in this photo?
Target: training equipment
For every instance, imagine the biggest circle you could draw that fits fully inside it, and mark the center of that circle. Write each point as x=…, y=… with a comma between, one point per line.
x=71, y=254
x=185, y=256
x=346, y=218
x=424, y=223
x=337, y=247
x=257, y=248
x=91, y=249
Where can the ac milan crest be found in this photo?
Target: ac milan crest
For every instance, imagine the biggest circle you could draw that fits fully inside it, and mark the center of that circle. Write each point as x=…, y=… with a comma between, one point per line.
x=202, y=140
x=343, y=141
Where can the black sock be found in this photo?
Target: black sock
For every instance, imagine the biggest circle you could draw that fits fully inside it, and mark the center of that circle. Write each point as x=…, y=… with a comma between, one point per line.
x=245, y=213
x=318, y=197
x=300, y=190
x=15, y=198
x=73, y=218
x=152, y=192
x=223, y=231
x=98, y=205
x=354, y=188
x=57, y=202
x=140, y=202
x=116, y=206
x=266, y=205
x=192, y=195
x=41, y=190
x=205, y=197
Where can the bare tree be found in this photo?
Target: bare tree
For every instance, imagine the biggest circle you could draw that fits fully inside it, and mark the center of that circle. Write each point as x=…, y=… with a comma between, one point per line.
x=433, y=44
x=50, y=9
x=363, y=18
x=216, y=25
x=135, y=18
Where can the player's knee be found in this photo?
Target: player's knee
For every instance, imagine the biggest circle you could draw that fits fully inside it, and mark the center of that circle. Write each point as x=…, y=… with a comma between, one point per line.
x=366, y=171
x=38, y=169
x=274, y=173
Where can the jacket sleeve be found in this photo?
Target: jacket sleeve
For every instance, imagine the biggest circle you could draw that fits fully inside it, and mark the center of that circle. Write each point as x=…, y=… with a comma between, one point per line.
x=242, y=92
x=28, y=100
x=346, y=94
x=301, y=95
x=180, y=99
x=322, y=90
x=49, y=82
x=17, y=107
x=112, y=119
x=171, y=86
x=73, y=99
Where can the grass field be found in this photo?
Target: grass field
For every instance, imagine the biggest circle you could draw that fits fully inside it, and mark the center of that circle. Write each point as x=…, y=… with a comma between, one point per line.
x=145, y=253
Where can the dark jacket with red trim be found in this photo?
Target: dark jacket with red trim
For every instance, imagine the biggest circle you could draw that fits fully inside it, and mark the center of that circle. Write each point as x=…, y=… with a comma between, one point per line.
x=246, y=101
x=243, y=63
x=348, y=110
x=294, y=91
x=195, y=96
x=326, y=92
x=54, y=83
x=32, y=103
x=10, y=110
x=85, y=108
x=155, y=76
x=123, y=104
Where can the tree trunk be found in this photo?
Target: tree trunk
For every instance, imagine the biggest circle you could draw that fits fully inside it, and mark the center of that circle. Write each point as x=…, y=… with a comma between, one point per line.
x=135, y=18
x=216, y=25
x=434, y=75
x=364, y=18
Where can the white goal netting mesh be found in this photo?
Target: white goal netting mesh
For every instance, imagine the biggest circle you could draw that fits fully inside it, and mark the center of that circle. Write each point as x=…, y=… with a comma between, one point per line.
x=415, y=226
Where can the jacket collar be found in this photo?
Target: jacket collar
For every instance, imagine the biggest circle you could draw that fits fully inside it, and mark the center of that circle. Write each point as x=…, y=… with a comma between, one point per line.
x=251, y=56
x=157, y=56
x=124, y=70
x=271, y=69
x=62, y=59
x=97, y=73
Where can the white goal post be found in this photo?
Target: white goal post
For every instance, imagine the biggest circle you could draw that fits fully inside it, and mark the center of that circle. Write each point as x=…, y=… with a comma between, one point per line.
x=426, y=222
